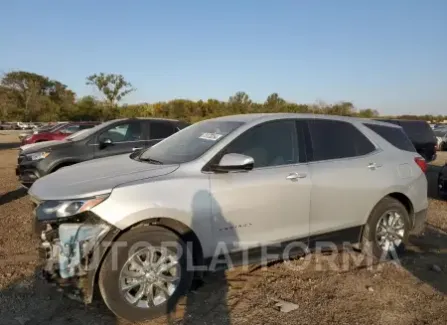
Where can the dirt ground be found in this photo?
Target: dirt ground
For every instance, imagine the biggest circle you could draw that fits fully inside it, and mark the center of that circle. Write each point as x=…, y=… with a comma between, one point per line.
x=413, y=291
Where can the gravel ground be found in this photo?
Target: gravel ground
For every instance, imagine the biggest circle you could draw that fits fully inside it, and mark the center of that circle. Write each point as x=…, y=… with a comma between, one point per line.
x=328, y=290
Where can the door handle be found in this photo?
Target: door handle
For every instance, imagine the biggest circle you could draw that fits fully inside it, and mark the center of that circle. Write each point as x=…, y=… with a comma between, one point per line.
x=374, y=166
x=295, y=176
x=137, y=148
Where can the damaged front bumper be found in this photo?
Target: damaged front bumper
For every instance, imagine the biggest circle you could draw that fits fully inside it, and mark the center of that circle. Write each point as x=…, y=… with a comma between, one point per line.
x=72, y=250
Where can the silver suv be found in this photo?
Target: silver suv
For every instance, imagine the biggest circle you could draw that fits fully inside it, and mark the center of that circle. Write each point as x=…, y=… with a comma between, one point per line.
x=140, y=226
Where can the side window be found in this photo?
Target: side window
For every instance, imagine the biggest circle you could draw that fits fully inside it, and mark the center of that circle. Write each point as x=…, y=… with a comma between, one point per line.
x=269, y=144
x=395, y=136
x=123, y=132
x=160, y=130
x=336, y=139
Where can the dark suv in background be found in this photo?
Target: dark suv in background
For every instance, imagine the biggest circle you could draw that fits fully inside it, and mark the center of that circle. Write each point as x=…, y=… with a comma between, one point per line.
x=107, y=139
x=420, y=134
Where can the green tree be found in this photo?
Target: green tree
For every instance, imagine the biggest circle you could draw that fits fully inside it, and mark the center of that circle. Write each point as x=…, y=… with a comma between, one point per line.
x=342, y=108
x=368, y=113
x=87, y=108
x=239, y=103
x=113, y=86
x=274, y=102
x=7, y=105
x=25, y=89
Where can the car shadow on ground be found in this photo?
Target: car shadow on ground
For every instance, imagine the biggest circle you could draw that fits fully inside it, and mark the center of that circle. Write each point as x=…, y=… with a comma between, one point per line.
x=31, y=300
x=13, y=195
x=426, y=257
x=9, y=145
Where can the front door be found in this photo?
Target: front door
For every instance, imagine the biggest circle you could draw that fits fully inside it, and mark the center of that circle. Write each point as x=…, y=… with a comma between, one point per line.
x=269, y=204
x=119, y=139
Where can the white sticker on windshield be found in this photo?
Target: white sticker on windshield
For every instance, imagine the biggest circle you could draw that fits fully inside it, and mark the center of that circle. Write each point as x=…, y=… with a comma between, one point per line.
x=210, y=136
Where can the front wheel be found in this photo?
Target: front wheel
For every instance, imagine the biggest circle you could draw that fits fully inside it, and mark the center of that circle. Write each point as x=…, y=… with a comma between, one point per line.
x=145, y=273
x=387, y=230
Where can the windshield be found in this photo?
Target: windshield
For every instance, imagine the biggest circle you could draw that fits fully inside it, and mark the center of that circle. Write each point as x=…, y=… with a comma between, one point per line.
x=49, y=128
x=190, y=143
x=84, y=134
x=56, y=127
x=76, y=134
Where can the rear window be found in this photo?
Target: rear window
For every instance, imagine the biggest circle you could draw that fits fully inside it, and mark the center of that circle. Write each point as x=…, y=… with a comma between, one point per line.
x=418, y=131
x=393, y=135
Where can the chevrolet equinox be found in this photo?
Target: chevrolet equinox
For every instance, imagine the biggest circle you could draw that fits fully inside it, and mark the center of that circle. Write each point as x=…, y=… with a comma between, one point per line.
x=241, y=182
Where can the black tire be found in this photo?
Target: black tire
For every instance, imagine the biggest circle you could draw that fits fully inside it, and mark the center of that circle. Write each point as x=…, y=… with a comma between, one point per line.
x=108, y=280
x=369, y=244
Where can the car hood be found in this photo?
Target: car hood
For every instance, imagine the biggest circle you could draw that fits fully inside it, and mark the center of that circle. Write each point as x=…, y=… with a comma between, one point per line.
x=95, y=177
x=39, y=145
x=46, y=145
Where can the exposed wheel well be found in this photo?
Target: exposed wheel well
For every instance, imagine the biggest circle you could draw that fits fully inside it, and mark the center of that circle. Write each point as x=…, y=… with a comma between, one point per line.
x=402, y=198
x=180, y=229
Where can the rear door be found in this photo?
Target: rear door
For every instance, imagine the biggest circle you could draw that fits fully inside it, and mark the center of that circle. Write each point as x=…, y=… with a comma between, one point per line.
x=124, y=137
x=346, y=171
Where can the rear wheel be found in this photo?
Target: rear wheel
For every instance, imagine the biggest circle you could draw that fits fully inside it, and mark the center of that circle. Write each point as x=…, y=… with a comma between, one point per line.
x=386, y=232
x=144, y=274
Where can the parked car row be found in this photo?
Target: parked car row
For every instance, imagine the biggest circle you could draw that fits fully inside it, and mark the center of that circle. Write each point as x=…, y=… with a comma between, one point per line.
x=18, y=125
x=99, y=140
x=246, y=181
x=56, y=132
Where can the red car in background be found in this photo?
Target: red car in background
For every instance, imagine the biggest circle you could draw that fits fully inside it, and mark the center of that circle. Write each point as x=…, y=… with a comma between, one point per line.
x=59, y=132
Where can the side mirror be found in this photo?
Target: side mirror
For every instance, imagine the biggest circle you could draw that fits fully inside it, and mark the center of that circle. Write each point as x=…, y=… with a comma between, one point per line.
x=105, y=142
x=234, y=162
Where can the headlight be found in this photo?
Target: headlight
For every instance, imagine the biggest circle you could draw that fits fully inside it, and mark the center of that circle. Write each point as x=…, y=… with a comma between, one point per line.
x=37, y=155
x=63, y=209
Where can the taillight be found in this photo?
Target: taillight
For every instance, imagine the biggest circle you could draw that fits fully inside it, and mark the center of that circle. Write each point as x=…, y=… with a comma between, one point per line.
x=421, y=163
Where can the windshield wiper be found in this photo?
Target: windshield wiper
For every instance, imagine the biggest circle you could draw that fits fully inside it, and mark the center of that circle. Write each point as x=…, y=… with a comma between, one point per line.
x=151, y=161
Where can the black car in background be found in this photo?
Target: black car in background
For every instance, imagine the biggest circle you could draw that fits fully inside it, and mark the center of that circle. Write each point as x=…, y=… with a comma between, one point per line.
x=420, y=134
x=107, y=139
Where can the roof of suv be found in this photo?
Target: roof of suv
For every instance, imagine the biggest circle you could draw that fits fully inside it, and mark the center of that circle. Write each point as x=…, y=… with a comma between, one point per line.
x=145, y=118
x=247, y=118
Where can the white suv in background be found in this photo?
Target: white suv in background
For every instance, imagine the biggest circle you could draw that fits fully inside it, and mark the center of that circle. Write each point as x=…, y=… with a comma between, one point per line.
x=240, y=182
